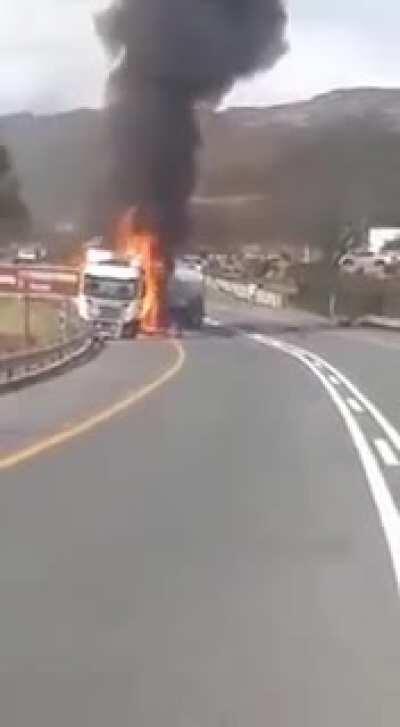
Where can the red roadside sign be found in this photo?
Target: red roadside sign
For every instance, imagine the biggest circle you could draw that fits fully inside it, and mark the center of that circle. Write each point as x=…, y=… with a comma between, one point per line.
x=39, y=280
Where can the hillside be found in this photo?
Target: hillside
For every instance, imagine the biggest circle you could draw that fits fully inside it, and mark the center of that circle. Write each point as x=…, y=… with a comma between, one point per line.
x=57, y=159
x=295, y=172
x=318, y=165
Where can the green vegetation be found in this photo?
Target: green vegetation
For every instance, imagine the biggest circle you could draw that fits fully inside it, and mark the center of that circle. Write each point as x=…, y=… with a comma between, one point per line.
x=356, y=296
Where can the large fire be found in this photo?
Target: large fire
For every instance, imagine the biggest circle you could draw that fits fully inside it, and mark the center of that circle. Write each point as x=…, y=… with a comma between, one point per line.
x=146, y=245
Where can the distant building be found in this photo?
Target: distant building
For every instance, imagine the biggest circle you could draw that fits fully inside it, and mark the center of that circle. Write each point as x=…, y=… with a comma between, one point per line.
x=379, y=236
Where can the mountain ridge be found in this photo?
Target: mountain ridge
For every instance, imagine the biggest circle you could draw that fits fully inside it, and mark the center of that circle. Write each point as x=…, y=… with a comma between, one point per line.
x=299, y=156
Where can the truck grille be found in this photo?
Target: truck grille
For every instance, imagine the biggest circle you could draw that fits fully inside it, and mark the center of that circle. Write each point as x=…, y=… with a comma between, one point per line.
x=109, y=312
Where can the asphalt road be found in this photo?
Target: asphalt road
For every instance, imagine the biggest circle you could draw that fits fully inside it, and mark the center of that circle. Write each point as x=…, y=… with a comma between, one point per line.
x=221, y=551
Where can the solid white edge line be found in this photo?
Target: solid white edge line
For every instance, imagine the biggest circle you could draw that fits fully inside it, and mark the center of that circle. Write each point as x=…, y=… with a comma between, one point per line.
x=380, y=419
x=381, y=496
x=380, y=493
x=384, y=503
x=337, y=378
x=390, y=431
x=257, y=337
x=354, y=405
x=386, y=452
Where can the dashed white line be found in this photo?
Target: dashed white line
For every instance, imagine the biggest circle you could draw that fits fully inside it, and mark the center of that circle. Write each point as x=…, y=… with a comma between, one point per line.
x=390, y=431
x=386, y=452
x=334, y=380
x=384, y=503
x=386, y=508
x=354, y=405
x=257, y=337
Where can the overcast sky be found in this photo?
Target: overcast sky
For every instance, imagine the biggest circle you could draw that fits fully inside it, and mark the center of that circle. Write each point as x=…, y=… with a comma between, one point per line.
x=50, y=58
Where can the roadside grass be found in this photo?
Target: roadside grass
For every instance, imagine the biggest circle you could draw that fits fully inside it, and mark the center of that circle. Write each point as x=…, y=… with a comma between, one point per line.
x=43, y=324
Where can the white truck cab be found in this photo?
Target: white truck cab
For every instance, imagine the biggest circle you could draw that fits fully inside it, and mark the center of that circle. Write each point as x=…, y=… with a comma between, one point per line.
x=110, y=295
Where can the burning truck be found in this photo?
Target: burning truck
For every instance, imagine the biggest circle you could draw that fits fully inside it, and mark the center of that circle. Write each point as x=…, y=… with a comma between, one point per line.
x=113, y=296
x=168, y=57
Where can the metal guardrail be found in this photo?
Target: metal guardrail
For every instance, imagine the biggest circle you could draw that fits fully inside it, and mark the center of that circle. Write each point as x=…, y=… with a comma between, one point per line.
x=22, y=366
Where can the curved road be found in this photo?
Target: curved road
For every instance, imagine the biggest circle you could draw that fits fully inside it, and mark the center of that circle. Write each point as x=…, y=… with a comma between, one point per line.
x=208, y=542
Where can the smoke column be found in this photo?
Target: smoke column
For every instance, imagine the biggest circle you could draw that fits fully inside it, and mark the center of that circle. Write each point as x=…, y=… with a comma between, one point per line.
x=169, y=55
x=14, y=215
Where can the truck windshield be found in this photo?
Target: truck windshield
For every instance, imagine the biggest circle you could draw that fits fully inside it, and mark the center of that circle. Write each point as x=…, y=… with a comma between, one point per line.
x=110, y=289
x=393, y=246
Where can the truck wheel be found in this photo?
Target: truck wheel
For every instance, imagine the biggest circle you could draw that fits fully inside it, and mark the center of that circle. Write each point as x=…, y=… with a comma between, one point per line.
x=130, y=330
x=196, y=314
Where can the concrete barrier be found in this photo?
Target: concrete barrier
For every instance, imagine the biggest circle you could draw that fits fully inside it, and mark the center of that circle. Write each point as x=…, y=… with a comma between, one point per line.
x=245, y=291
x=270, y=299
x=276, y=300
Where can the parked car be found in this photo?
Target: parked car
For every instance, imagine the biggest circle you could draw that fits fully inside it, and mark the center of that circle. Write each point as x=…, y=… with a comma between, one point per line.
x=31, y=254
x=391, y=251
x=193, y=262
x=364, y=262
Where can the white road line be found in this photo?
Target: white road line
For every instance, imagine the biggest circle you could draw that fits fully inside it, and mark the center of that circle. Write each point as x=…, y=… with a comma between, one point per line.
x=384, y=503
x=266, y=341
x=258, y=338
x=386, y=453
x=354, y=405
x=390, y=431
x=380, y=419
x=380, y=493
x=334, y=380
x=387, y=512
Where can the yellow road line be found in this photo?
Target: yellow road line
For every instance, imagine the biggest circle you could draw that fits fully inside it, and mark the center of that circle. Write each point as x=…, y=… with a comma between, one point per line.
x=82, y=427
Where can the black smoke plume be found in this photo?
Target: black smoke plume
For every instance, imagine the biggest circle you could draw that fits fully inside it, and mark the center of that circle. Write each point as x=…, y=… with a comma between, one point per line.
x=14, y=214
x=168, y=56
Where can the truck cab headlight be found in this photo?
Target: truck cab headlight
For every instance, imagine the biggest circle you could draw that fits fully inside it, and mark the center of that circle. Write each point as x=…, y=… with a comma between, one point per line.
x=129, y=312
x=93, y=308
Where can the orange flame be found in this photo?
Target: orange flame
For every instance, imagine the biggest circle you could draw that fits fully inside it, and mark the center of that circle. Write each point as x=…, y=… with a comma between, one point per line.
x=148, y=249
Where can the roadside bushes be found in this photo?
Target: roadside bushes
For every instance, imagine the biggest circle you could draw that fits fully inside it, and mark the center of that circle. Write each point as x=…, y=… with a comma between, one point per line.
x=323, y=290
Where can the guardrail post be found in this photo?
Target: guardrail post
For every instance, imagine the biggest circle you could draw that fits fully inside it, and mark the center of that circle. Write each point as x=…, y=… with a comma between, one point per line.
x=332, y=305
x=62, y=320
x=27, y=319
